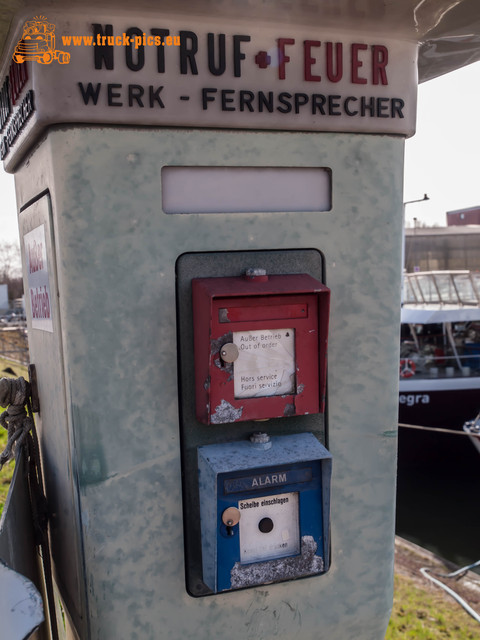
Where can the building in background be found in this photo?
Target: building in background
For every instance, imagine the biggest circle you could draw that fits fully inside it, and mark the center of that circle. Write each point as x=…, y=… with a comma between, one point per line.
x=463, y=216
x=443, y=248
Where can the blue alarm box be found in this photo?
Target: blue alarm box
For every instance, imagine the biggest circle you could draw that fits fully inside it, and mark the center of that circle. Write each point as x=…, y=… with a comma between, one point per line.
x=264, y=510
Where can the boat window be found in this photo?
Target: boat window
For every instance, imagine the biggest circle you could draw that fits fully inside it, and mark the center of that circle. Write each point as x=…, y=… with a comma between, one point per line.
x=446, y=288
x=464, y=287
x=409, y=294
x=476, y=283
x=416, y=290
x=428, y=288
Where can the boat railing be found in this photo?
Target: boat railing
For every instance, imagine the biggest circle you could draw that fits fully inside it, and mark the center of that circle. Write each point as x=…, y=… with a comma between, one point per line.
x=423, y=366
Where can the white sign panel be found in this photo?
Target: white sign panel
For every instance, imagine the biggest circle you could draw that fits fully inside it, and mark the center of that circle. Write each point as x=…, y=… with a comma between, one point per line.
x=269, y=527
x=38, y=280
x=266, y=363
x=188, y=71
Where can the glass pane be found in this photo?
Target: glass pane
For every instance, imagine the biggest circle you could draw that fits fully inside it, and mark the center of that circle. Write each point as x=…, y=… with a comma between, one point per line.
x=446, y=288
x=427, y=286
x=409, y=295
x=416, y=290
x=465, y=289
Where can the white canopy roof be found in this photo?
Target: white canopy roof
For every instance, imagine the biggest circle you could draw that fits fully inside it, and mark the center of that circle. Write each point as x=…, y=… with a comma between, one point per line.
x=428, y=314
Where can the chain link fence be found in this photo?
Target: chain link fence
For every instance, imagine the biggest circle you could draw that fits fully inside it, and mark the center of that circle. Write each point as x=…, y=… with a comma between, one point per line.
x=14, y=344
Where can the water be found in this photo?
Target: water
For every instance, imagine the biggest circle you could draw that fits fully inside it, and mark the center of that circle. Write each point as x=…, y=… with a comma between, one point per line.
x=438, y=495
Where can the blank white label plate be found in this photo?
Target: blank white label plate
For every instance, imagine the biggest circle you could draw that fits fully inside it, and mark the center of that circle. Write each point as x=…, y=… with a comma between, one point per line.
x=283, y=539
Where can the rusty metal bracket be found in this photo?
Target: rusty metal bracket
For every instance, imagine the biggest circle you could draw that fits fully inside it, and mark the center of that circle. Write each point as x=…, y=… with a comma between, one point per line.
x=32, y=376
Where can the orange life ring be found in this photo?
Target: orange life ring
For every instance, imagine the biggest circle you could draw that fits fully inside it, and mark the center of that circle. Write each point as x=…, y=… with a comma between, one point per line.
x=407, y=368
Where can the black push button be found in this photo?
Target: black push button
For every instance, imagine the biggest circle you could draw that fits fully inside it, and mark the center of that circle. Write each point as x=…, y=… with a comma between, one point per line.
x=265, y=525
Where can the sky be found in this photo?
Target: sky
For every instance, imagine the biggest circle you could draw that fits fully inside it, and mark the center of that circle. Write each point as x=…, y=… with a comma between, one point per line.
x=441, y=159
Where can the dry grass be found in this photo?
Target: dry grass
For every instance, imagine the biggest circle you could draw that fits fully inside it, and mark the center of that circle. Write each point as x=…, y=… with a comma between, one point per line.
x=423, y=611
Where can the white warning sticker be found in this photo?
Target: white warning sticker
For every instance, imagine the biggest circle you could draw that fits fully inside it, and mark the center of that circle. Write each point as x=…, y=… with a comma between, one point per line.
x=266, y=363
x=38, y=279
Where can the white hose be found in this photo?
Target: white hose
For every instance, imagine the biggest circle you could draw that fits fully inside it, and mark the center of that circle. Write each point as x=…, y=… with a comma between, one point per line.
x=461, y=601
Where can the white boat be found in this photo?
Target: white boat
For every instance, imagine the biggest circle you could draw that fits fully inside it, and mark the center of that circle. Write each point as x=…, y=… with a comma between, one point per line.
x=440, y=349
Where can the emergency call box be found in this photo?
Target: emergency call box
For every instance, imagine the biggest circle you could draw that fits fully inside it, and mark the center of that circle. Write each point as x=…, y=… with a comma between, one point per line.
x=260, y=345
x=264, y=510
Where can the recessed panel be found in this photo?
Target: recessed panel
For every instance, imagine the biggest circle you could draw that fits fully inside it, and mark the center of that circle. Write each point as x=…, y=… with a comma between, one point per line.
x=194, y=432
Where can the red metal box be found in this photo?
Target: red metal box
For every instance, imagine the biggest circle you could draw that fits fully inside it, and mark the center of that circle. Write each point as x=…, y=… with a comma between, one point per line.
x=260, y=347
